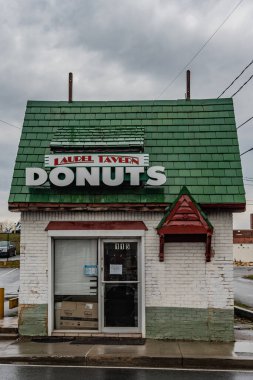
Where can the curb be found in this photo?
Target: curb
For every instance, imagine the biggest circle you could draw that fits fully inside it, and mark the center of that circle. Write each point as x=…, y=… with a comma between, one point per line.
x=128, y=361
x=219, y=363
x=242, y=312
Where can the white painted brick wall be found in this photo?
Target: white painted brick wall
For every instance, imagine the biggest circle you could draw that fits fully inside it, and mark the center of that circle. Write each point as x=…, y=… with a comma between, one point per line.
x=184, y=279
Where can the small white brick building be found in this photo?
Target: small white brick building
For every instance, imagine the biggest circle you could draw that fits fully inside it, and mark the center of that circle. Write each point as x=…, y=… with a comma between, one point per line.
x=126, y=212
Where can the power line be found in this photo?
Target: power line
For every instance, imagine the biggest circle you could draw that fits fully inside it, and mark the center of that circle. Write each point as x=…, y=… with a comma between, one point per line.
x=245, y=122
x=246, y=151
x=242, y=86
x=199, y=51
x=11, y=125
x=245, y=68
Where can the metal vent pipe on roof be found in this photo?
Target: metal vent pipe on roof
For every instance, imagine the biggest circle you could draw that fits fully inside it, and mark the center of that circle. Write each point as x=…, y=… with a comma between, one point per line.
x=188, y=85
x=70, y=87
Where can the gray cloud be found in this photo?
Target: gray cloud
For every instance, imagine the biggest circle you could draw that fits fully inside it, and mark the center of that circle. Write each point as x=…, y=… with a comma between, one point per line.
x=119, y=50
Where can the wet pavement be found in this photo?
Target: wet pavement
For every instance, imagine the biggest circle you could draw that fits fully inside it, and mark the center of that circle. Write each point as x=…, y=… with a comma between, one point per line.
x=155, y=354
x=9, y=372
x=244, y=334
x=9, y=323
x=243, y=288
x=9, y=280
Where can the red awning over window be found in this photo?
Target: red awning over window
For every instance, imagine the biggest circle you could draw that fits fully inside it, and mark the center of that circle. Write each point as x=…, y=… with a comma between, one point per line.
x=115, y=225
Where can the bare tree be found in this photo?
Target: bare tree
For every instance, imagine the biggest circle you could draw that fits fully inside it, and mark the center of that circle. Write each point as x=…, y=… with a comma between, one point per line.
x=6, y=225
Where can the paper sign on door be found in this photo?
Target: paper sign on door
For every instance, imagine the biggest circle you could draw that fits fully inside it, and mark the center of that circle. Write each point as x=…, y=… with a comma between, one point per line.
x=115, y=269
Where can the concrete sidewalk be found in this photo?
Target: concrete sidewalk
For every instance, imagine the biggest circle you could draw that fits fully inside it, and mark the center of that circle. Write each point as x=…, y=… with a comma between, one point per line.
x=154, y=353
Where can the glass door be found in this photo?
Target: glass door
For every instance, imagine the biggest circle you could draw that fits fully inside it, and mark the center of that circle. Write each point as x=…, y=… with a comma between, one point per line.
x=120, y=286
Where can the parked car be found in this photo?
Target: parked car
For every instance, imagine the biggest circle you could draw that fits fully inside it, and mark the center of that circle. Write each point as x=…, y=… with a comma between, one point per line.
x=16, y=229
x=7, y=249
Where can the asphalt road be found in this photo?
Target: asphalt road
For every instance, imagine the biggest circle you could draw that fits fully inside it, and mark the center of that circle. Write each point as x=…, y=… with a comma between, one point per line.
x=243, y=288
x=9, y=280
x=20, y=372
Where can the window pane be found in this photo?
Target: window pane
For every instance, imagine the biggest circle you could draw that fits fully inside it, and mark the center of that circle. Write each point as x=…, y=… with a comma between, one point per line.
x=71, y=275
x=120, y=261
x=121, y=305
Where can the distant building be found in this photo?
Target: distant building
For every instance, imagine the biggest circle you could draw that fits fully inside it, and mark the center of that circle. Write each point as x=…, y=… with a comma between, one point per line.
x=243, y=244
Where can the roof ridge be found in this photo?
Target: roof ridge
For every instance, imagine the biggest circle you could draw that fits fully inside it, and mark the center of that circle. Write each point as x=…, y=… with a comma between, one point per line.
x=128, y=102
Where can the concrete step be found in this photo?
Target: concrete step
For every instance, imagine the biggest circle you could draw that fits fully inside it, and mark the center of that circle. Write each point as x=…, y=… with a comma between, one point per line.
x=8, y=336
x=8, y=330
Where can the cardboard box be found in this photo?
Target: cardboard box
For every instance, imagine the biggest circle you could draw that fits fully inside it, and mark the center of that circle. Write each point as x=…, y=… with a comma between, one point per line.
x=76, y=315
x=75, y=324
x=80, y=310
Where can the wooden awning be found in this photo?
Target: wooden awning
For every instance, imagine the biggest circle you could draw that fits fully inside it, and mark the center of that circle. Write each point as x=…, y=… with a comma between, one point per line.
x=115, y=225
x=185, y=217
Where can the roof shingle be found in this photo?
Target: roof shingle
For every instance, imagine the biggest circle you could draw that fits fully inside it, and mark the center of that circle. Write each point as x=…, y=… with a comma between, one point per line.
x=195, y=140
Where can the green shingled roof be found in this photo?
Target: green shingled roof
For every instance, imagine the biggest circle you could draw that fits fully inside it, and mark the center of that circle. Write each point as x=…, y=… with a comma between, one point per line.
x=195, y=140
x=98, y=136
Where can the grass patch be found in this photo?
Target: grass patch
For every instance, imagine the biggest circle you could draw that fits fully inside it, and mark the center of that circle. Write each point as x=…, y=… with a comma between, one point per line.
x=249, y=277
x=10, y=264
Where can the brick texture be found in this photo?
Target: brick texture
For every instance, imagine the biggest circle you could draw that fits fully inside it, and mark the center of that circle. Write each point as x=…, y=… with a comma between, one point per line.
x=183, y=280
x=190, y=323
x=33, y=320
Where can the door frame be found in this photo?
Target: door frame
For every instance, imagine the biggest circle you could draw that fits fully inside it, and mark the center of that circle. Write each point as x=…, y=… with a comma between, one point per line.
x=100, y=235
x=119, y=330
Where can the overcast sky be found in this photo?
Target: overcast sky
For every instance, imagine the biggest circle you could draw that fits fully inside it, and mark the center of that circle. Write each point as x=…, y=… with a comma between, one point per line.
x=121, y=50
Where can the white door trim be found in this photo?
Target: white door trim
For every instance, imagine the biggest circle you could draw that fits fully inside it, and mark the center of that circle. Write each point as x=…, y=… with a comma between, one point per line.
x=138, y=282
x=50, y=274
x=99, y=234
